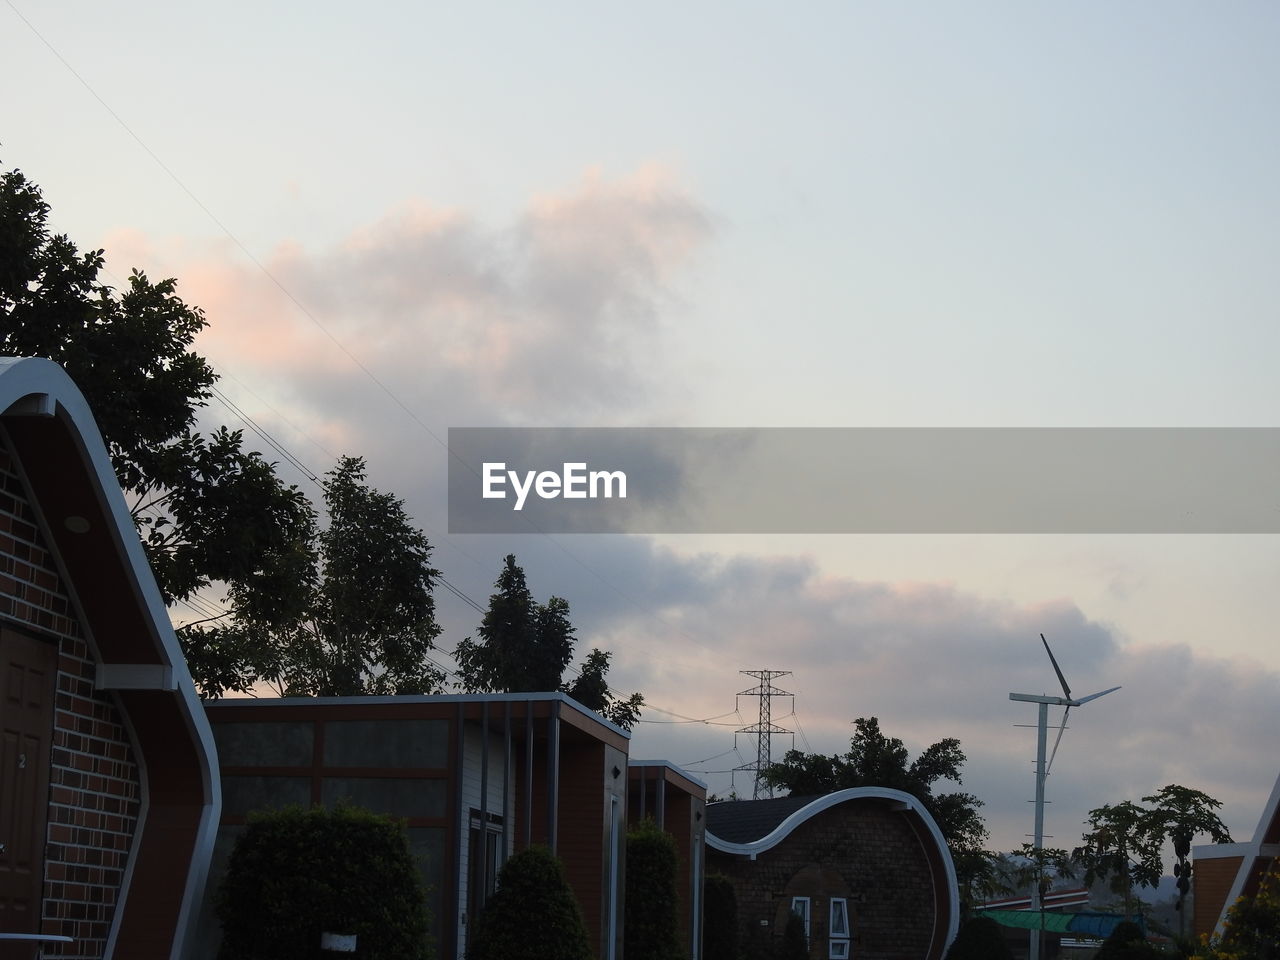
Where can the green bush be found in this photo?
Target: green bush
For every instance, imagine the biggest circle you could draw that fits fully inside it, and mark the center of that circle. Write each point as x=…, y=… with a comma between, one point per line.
x=981, y=938
x=1127, y=942
x=651, y=924
x=295, y=874
x=795, y=945
x=719, y=918
x=532, y=916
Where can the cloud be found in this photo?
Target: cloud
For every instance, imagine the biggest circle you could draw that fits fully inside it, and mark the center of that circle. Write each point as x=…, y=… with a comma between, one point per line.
x=558, y=317
x=931, y=661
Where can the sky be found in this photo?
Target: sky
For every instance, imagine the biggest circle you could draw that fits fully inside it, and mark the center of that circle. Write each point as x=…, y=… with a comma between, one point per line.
x=401, y=218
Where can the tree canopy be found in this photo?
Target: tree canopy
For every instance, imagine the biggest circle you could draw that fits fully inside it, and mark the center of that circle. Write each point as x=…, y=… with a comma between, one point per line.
x=875, y=760
x=526, y=646
x=1125, y=841
x=367, y=620
x=342, y=610
x=207, y=509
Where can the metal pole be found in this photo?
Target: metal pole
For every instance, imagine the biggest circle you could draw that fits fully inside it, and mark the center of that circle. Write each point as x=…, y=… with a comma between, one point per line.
x=1042, y=737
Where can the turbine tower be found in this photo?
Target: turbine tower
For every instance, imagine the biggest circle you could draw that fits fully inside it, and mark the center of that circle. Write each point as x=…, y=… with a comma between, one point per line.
x=1042, y=769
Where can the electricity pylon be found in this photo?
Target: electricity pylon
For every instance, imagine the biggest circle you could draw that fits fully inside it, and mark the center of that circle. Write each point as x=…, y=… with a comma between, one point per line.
x=765, y=727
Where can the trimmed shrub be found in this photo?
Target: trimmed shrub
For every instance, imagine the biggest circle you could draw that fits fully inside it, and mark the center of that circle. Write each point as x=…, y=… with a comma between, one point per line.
x=533, y=915
x=651, y=924
x=719, y=918
x=795, y=945
x=295, y=874
x=981, y=938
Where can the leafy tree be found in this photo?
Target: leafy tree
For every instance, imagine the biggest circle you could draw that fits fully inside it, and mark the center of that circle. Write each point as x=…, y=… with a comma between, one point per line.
x=533, y=915
x=208, y=511
x=592, y=691
x=651, y=900
x=876, y=760
x=525, y=646
x=1120, y=846
x=1179, y=814
x=295, y=874
x=1127, y=839
x=368, y=620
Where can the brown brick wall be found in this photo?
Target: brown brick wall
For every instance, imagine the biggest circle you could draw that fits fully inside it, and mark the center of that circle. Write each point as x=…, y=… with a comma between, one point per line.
x=1213, y=880
x=860, y=850
x=94, y=786
x=580, y=834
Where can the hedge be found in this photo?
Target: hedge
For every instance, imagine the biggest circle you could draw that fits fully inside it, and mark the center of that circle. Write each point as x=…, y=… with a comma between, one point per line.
x=296, y=873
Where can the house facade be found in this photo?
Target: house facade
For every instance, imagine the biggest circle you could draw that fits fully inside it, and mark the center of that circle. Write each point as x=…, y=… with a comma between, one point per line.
x=866, y=869
x=475, y=777
x=108, y=788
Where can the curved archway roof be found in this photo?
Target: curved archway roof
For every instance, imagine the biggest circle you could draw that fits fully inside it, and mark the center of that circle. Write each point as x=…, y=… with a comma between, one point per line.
x=52, y=435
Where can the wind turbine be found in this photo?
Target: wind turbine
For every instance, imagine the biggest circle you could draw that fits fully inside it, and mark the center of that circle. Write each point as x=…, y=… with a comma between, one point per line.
x=1042, y=769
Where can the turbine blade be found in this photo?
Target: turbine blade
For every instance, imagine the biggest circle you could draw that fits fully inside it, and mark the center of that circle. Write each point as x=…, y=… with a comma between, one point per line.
x=1095, y=696
x=1061, y=728
x=1052, y=659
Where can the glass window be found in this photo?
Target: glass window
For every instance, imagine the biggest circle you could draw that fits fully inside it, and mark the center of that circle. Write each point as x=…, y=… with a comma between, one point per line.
x=838, y=942
x=839, y=918
x=800, y=907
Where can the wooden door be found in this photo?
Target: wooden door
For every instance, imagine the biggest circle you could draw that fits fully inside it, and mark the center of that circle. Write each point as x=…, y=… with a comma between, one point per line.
x=27, y=674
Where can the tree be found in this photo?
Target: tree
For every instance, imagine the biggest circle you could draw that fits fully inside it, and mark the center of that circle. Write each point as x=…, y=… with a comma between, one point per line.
x=876, y=760
x=533, y=915
x=208, y=511
x=651, y=900
x=368, y=619
x=295, y=874
x=1127, y=839
x=526, y=646
x=1121, y=846
x=1179, y=814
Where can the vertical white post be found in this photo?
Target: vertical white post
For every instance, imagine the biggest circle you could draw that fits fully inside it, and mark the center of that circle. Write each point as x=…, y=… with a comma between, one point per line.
x=1042, y=736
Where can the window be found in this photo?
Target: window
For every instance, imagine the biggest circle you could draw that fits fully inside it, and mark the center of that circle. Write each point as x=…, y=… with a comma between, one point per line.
x=800, y=907
x=484, y=858
x=838, y=931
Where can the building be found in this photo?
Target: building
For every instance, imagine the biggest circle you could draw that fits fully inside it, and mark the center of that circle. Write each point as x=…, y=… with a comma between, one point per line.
x=866, y=869
x=476, y=777
x=1224, y=872
x=108, y=791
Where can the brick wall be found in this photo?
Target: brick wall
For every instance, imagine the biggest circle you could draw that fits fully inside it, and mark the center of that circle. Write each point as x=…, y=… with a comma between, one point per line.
x=94, y=785
x=862, y=851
